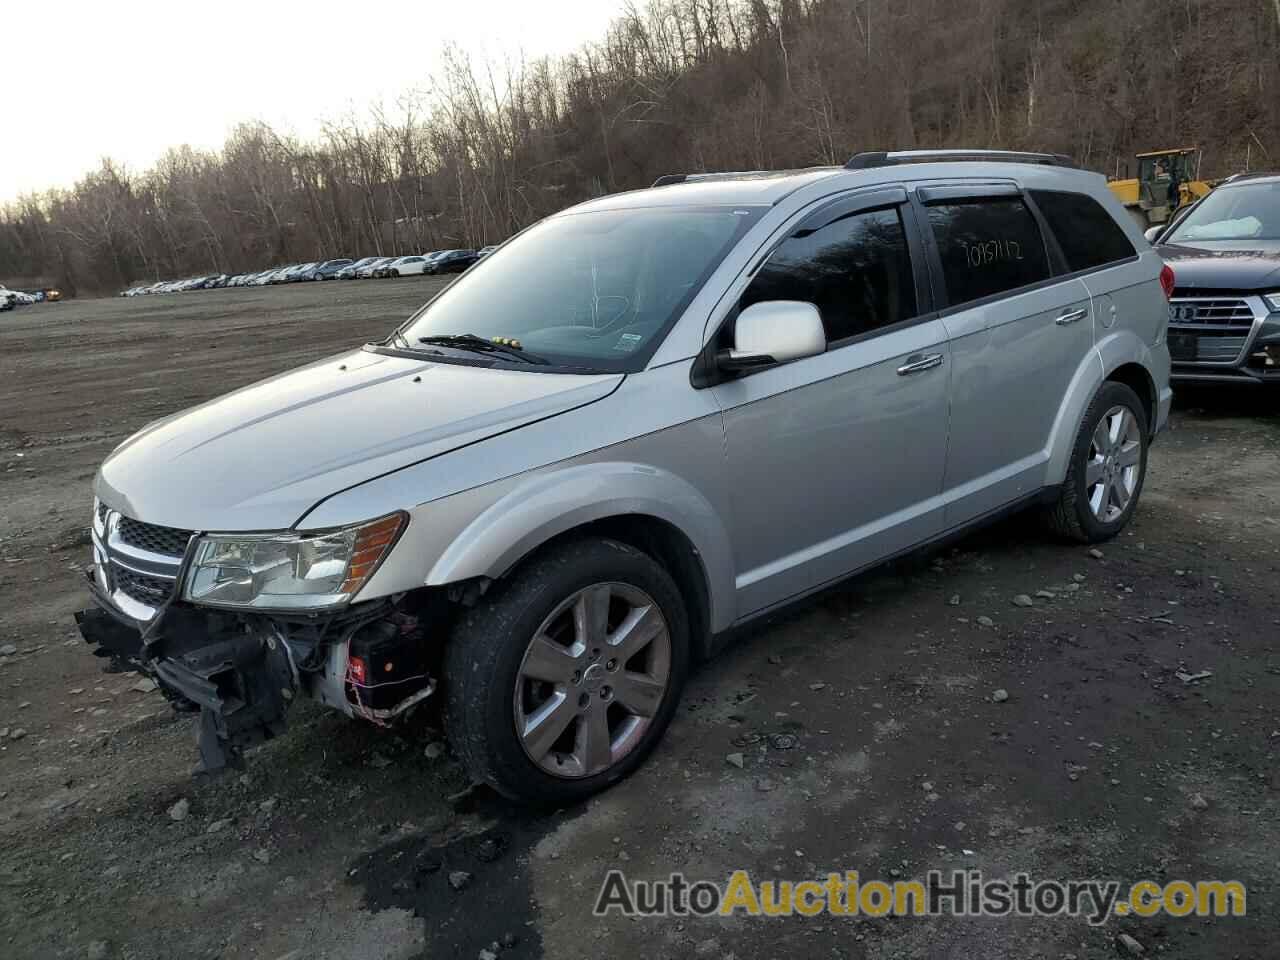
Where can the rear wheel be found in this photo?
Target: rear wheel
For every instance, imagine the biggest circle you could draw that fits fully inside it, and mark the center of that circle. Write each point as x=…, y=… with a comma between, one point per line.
x=1107, y=470
x=563, y=678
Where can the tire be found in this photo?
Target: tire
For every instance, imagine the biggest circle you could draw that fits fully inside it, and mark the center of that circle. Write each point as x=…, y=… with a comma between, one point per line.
x=492, y=652
x=1093, y=512
x=394, y=273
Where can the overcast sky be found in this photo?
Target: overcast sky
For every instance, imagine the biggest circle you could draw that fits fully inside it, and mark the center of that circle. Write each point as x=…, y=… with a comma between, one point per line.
x=129, y=78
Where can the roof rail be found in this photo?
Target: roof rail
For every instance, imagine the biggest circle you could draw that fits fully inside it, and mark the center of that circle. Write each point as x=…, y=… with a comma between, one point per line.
x=670, y=178
x=883, y=158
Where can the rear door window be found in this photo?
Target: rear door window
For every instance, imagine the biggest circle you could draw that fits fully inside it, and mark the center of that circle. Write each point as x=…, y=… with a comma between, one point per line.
x=855, y=270
x=988, y=246
x=1087, y=234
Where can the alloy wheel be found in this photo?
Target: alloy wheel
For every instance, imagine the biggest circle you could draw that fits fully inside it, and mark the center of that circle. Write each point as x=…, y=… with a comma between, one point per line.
x=592, y=679
x=1112, y=470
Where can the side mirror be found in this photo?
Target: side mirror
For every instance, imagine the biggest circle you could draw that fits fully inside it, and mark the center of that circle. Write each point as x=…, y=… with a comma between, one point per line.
x=1152, y=232
x=774, y=331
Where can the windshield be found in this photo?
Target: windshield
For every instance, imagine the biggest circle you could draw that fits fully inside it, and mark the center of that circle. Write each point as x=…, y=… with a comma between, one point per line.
x=589, y=290
x=1244, y=212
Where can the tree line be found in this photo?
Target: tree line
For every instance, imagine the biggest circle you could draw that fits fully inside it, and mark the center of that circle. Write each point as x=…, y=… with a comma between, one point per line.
x=674, y=86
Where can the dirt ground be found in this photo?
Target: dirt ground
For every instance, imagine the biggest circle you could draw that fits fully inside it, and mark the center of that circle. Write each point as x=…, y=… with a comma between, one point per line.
x=339, y=839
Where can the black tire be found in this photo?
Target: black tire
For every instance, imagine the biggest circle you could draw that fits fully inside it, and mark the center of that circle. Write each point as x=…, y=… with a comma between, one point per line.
x=484, y=656
x=394, y=273
x=1072, y=516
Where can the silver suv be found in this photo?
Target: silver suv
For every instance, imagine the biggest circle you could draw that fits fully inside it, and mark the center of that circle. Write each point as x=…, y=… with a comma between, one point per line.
x=640, y=423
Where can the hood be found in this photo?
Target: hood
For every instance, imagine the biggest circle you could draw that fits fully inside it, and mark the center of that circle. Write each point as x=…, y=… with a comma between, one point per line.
x=1223, y=265
x=261, y=457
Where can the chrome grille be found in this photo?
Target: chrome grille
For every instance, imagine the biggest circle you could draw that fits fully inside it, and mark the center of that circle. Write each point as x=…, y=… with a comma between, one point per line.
x=137, y=563
x=1203, y=312
x=1212, y=329
x=156, y=539
x=152, y=591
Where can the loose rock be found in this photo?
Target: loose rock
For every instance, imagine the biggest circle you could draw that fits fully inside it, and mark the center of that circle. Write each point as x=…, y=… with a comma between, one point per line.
x=1022, y=600
x=180, y=809
x=459, y=879
x=17, y=734
x=8, y=650
x=986, y=622
x=734, y=760
x=955, y=600
x=1000, y=696
x=434, y=751
x=1130, y=946
x=218, y=826
x=145, y=685
x=262, y=855
x=1198, y=802
x=1095, y=553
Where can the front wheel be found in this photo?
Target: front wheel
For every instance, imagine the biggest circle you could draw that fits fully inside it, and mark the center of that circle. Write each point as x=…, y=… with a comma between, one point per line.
x=1107, y=470
x=563, y=678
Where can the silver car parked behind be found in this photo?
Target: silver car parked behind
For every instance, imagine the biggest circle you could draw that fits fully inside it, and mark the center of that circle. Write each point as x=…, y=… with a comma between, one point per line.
x=640, y=423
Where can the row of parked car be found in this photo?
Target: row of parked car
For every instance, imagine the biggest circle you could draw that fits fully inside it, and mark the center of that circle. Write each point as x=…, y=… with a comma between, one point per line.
x=22, y=298
x=343, y=268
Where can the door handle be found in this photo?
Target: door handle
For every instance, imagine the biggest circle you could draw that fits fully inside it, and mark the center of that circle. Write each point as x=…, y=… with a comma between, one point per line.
x=919, y=364
x=1071, y=316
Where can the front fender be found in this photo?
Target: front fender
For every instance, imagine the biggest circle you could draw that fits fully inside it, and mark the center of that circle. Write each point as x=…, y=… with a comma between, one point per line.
x=550, y=503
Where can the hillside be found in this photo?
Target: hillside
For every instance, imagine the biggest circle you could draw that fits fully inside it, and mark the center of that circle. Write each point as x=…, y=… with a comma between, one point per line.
x=676, y=85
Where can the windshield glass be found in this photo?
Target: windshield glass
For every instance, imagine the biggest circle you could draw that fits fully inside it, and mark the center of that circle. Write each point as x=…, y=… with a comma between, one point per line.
x=590, y=290
x=1245, y=212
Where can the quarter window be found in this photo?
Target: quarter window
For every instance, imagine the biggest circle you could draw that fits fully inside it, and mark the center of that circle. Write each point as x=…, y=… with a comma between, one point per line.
x=1087, y=234
x=855, y=270
x=988, y=247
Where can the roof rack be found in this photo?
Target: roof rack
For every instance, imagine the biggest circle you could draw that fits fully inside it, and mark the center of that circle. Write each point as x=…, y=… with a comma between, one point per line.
x=883, y=158
x=670, y=178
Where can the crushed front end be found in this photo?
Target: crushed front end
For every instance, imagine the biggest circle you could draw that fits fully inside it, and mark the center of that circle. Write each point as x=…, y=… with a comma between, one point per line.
x=243, y=669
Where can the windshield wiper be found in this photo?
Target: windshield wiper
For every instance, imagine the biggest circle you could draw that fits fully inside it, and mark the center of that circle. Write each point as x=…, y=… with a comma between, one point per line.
x=469, y=341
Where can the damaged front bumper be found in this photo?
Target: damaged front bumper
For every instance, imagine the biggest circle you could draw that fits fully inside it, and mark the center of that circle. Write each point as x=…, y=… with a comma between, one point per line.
x=243, y=671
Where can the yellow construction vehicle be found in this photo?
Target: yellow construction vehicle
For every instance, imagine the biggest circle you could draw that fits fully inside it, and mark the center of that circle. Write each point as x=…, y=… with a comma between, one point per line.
x=1149, y=197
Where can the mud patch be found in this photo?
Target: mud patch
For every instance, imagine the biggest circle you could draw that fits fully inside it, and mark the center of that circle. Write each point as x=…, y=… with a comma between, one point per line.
x=495, y=901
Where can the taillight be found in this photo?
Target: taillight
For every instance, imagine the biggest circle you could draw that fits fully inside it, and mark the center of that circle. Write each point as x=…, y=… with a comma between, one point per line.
x=1166, y=280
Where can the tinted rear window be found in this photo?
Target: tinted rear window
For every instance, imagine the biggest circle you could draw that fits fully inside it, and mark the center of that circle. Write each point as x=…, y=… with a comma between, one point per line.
x=988, y=246
x=1085, y=231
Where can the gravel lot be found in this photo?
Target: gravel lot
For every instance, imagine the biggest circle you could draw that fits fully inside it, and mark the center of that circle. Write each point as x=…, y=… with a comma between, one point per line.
x=339, y=841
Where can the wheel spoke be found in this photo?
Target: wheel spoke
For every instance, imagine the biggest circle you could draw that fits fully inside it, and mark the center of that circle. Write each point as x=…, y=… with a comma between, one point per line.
x=549, y=661
x=1102, y=437
x=1093, y=473
x=1098, y=499
x=1129, y=454
x=638, y=693
x=545, y=725
x=591, y=615
x=594, y=747
x=1120, y=493
x=1115, y=427
x=639, y=628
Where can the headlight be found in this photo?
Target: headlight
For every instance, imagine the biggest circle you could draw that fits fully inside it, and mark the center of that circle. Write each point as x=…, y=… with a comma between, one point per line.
x=289, y=571
x=1273, y=300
